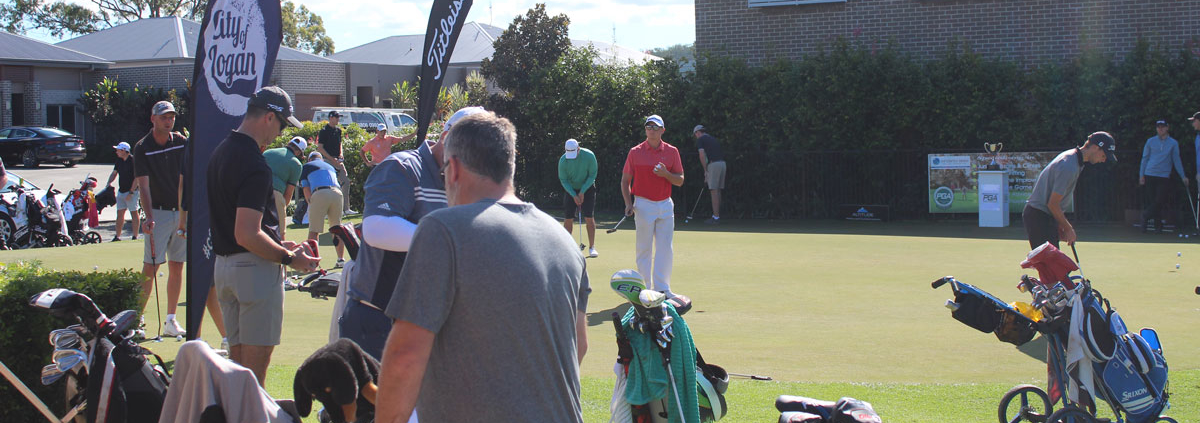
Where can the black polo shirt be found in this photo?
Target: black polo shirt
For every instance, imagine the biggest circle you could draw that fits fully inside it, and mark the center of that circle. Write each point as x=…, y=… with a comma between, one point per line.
x=238, y=177
x=712, y=149
x=124, y=170
x=163, y=164
x=331, y=137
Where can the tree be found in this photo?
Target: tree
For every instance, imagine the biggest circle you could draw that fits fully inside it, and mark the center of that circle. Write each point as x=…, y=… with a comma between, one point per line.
x=404, y=95
x=304, y=30
x=20, y=16
x=680, y=53
x=531, y=43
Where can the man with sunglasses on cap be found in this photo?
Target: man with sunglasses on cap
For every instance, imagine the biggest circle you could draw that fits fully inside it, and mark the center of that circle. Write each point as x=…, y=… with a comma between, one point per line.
x=651, y=168
x=1043, y=215
x=285, y=175
x=1159, y=153
x=248, y=273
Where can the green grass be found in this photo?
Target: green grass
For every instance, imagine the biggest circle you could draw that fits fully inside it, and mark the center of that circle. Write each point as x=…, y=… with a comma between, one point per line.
x=828, y=309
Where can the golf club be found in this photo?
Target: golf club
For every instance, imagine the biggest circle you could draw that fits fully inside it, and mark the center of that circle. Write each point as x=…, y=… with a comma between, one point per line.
x=65, y=339
x=579, y=225
x=69, y=359
x=154, y=277
x=693, y=212
x=1077, y=261
x=1195, y=217
x=666, y=354
x=751, y=377
x=51, y=373
x=618, y=225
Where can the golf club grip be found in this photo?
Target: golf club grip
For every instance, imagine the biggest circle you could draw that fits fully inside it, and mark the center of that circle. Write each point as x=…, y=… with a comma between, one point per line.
x=616, y=319
x=938, y=283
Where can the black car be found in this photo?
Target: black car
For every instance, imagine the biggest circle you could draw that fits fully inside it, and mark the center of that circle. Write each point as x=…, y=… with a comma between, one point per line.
x=32, y=145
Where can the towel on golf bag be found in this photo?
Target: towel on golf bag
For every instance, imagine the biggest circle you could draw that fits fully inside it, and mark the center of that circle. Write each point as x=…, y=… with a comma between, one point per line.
x=648, y=380
x=619, y=407
x=1052, y=265
x=202, y=378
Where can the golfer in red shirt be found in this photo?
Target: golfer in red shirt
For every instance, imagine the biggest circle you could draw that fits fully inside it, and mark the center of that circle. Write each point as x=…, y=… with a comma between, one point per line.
x=650, y=169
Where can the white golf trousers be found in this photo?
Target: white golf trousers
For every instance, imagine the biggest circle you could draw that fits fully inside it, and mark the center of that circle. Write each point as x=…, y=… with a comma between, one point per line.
x=655, y=229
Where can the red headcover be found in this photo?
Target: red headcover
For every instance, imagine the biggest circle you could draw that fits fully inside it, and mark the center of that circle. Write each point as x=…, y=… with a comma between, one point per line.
x=1051, y=264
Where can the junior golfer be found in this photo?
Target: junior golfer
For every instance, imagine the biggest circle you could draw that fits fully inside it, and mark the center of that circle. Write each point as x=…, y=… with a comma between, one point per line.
x=1043, y=215
x=651, y=168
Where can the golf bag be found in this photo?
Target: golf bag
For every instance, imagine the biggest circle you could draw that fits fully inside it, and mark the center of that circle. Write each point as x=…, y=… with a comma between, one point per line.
x=81, y=203
x=794, y=409
x=978, y=309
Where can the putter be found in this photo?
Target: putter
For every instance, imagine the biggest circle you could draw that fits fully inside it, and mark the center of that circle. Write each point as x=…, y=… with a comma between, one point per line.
x=618, y=225
x=1195, y=217
x=693, y=212
x=154, y=277
x=751, y=377
x=579, y=214
x=1077, y=261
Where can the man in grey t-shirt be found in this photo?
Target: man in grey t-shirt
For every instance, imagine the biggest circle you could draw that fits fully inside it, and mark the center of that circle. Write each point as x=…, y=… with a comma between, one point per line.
x=489, y=308
x=1043, y=215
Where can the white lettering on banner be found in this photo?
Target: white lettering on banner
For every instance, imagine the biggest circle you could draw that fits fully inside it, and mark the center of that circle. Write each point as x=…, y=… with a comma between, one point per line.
x=236, y=54
x=441, y=39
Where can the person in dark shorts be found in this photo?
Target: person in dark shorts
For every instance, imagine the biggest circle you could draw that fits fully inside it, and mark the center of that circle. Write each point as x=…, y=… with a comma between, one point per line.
x=248, y=272
x=1043, y=215
x=714, y=168
x=577, y=172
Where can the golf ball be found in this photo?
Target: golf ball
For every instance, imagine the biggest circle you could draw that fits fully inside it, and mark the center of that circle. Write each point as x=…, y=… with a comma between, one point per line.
x=95, y=267
x=180, y=337
x=1179, y=254
x=1176, y=265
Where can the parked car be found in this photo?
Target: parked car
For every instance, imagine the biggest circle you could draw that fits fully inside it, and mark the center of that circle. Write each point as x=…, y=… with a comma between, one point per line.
x=366, y=119
x=32, y=145
x=397, y=120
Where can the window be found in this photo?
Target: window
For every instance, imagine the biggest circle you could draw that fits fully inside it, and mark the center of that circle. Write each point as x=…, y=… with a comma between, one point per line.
x=766, y=3
x=365, y=118
x=14, y=180
x=4, y=133
x=53, y=132
x=22, y=133
x=61, y=116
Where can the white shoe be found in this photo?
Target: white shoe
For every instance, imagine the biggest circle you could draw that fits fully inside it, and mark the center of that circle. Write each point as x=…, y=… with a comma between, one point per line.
x=225, y=344
x=172, y=328
x=592, y=253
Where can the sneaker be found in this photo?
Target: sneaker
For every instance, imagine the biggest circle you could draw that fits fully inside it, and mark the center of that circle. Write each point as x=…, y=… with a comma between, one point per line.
x=171, y=328
x=134, y=238
x=712, y=221
x=225, y=344
x=592, y=253
x=116, y=238
x=340, y=263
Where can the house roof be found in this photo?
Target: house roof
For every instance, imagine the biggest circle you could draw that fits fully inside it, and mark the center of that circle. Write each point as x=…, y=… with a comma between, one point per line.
x=157, y=39
x=18, y=49
x=474, y=44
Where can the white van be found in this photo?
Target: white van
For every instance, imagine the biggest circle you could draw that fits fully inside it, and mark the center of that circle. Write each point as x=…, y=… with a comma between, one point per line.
x=366, y=119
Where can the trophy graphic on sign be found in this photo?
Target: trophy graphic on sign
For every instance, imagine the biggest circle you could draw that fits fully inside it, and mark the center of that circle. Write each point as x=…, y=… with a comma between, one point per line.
x=993, y=149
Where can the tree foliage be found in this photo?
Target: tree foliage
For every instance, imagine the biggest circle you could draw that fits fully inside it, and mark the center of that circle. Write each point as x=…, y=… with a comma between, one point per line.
x=531, y=43
x=404, y=95
x=304, y=30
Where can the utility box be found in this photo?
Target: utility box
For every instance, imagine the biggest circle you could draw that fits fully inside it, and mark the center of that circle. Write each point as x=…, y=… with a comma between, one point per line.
x=993, y=198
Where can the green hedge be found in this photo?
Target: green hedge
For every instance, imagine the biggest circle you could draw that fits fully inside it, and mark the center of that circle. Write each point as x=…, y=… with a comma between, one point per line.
x=850, y=98
x=23, y=336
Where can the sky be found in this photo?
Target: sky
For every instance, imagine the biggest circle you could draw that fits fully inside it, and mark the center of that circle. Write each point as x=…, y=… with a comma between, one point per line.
x=637, y=24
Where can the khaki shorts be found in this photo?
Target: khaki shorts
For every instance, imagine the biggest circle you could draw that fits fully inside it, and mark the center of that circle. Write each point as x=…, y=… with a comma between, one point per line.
x=716, y=175
x=168, y=245
x=250, y=292
x=280, y=210
x=322, y=204
x=128, y=201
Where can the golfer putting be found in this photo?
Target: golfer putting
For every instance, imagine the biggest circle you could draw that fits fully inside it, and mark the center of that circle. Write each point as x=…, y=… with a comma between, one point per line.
x=577, y=172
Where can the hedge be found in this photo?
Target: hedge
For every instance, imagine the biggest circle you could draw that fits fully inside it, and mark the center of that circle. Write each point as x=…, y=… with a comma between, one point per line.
x=23, y=336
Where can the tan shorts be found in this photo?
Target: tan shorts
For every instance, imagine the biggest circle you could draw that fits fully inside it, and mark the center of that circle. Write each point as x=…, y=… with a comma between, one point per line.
x=716, y=175
x=168, y=245
x=280, y=210
x=250, y=292
x=322, y=204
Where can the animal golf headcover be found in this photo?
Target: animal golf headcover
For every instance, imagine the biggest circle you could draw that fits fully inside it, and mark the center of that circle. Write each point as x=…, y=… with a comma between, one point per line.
x=342, y=377
x=1051, y=264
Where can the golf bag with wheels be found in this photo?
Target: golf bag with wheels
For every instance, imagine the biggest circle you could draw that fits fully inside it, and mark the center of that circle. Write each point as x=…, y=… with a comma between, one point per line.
x=122, y=386
x=81, y=203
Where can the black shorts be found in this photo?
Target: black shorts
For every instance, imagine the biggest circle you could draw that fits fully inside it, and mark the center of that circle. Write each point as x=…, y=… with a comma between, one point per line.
x=589, y=204
x=1040, y=227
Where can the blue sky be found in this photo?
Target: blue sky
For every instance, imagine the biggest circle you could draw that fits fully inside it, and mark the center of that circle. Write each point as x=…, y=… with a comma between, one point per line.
x=639, y=25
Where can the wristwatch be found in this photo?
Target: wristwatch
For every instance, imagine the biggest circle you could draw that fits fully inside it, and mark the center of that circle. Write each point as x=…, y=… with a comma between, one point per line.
x=287, y=258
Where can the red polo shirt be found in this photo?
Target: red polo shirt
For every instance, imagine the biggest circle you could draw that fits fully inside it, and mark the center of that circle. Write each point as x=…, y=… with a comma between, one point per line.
x=640, y=163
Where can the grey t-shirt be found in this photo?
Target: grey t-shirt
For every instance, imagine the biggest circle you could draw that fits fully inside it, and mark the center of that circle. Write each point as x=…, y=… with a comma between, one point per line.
x=500, y=285
x=1057, y=177
x=406, y=184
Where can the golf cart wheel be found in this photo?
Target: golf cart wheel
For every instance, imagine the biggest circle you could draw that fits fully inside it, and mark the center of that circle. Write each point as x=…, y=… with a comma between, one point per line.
x=1024, y=403
x=1162, y=419
x=7, y=229
x=63, y=241
x=29, y=159
x=1071, y=414
x=92, y=237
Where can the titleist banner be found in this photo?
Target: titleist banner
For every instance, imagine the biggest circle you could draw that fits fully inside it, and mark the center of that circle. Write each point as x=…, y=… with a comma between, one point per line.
x=235, y=54
x=445, y=23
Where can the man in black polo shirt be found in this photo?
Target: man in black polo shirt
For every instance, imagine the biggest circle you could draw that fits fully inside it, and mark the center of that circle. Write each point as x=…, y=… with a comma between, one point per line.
x=247, y=273
x=714, y=168
x=127, y=197
x=157, y=170
x=329, y=143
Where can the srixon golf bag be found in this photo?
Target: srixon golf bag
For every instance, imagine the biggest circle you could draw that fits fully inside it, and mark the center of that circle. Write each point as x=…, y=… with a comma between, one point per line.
x=122, y=386
x=1133, y=374
x=794, y=409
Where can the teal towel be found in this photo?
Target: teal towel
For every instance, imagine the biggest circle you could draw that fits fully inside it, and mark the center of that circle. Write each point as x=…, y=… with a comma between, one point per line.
x=647, y=380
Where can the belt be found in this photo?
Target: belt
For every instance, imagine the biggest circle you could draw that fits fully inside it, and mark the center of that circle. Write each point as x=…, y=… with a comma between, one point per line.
x=365, y=303
x=170, y=209
x=324, y=187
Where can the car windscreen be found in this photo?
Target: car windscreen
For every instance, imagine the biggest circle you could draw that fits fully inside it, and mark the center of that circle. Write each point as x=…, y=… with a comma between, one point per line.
x=365, y=118
x=53, y=132
x=13, y=180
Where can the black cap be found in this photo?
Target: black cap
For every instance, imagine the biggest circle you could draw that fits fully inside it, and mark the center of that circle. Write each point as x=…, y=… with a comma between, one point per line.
x=1195, y=116
x=1106, y=143
x=335, y=114
x=1161, y=123
x=276, y=100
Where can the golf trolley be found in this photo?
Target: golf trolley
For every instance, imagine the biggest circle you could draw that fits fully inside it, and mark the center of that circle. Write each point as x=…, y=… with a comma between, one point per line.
x=1124, y=369
x=80, y=204
x=33, y=222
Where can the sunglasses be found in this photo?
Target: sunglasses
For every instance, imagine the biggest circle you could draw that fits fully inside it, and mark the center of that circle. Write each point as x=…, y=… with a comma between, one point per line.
x=653, y=127
x=283, y=123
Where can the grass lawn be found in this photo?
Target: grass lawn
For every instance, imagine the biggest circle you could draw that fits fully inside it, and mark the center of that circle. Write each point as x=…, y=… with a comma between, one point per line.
x=828, y=309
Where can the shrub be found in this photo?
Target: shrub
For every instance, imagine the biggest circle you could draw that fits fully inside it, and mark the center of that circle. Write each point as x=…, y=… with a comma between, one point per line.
x=23, y=345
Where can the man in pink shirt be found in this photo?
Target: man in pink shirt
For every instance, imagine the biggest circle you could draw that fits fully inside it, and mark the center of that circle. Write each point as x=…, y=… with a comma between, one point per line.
x=651, y=168
x=381, y=146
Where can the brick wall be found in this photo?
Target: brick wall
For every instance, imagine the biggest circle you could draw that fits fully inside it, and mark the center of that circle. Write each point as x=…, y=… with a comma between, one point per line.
x=1028, y=31
x=34, y=106
x=311, y=78
x=165, y=77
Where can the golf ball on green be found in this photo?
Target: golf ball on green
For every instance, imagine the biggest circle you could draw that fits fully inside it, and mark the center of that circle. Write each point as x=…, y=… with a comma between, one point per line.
x=1176, y=265
x=1179, y=254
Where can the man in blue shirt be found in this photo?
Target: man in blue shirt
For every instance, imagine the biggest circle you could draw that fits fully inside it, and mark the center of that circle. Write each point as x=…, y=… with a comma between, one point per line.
x=1155, y=174
x=324, y=197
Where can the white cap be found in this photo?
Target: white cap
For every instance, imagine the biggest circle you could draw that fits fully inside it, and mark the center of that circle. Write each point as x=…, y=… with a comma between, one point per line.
x=381, y=128
x=572, y=148
x=123, y=146
x=300, y=143
x=655, y=119
x=314, y=155
x=461, y=113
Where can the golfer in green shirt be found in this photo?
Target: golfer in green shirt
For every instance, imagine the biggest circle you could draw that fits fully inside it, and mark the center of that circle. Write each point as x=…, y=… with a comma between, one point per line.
x=577, y=172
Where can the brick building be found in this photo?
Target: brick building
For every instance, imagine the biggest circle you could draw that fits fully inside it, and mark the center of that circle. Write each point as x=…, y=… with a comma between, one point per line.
x=40, y=82
x=1027, y=31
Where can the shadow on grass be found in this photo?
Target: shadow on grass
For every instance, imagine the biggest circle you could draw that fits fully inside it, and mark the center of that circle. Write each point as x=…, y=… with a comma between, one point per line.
x=605, y=316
